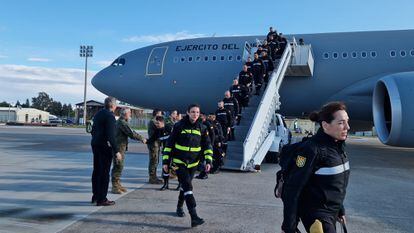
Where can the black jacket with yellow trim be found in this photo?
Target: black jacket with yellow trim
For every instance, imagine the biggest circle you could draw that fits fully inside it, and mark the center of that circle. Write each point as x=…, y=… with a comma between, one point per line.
x=187, y=143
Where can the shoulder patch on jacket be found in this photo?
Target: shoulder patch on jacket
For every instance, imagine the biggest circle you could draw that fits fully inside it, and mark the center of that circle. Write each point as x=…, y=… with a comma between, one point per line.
x=300, y=161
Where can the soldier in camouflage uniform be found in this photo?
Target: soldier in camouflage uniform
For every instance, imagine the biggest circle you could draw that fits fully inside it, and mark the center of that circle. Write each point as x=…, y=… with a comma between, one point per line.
x=123, y=132
x=154, y=146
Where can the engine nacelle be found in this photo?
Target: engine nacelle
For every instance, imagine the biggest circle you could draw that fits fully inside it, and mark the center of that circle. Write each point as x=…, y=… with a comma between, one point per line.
x=393, y=109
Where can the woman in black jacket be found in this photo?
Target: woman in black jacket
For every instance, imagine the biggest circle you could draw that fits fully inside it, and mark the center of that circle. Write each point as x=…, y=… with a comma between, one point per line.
x=315, y=188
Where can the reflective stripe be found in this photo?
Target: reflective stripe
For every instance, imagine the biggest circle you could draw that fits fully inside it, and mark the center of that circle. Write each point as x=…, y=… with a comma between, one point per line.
x=188, y=193
x=208, y=152
x=167, y=149
x=191, y=131
x=164, y=138
x=208, y=157
x=333, y=170
x=178, y=161
x=193, y=164
x=165, y=157
x=186, y=148
x=187, y=165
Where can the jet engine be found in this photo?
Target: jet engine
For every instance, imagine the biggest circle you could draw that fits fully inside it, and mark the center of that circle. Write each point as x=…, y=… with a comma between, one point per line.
x=393, y=109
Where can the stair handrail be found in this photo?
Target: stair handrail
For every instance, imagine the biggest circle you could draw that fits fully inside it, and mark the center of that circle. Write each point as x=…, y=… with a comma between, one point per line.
x=265, y=110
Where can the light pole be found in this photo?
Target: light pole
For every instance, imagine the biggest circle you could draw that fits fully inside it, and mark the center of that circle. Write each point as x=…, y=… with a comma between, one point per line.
x=8, y=114
x=85, y=51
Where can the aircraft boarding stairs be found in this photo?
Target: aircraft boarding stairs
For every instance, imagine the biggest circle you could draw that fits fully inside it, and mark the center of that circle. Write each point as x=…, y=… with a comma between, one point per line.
x=255, y=135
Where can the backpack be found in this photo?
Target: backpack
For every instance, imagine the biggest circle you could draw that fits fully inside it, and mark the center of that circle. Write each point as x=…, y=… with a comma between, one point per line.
x=287, y=160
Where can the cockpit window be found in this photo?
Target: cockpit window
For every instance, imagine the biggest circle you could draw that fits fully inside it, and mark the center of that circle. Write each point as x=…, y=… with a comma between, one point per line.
x=118, y=62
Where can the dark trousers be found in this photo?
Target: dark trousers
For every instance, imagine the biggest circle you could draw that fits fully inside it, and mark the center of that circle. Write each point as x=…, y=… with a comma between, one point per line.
x=328, y=222
x=185, y=177
x=217, y=158
x=102, y=158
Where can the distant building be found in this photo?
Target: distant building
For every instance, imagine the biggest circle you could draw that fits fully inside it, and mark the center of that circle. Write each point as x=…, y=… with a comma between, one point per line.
x=139, y=116
x=23, y=115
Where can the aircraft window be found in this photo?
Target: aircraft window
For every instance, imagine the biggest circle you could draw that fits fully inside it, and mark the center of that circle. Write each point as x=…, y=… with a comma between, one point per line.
x=190, y=59
x=363, y=54
x=182, y=59
x=326, y=55
x=344, y=55
x=222, y=58
x=403, y=53
x=206, y=58
x=230, y=58
x=121, y=62
x=335, y=55
x=354, y=54
x=373, y=54
x=238, y=58
x=198, y=59
x=412, y=53
x=175, y=59
x=214, y=58
x=393, y=53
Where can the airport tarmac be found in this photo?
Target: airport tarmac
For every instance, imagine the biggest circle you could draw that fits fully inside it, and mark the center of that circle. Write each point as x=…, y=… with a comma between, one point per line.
x=45, y=187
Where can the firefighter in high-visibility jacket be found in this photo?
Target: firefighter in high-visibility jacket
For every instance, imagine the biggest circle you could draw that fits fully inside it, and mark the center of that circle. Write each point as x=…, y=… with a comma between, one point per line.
x=188, y=141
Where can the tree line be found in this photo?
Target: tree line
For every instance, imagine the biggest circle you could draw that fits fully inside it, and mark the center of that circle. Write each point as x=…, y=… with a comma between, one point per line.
x=45, y=103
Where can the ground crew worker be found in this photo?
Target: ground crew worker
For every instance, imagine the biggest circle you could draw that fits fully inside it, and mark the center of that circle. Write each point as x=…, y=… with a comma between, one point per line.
x=272, y=33
x=246, y=77
x=315, y=187
x=225, y=118
x=123, y=132
x=245, y=96
x=249, y=64
x=258, y=71
x=232, y=104
x=188, y=142
x=172, y=119
x=236, y=90
x=259, y=51
x=154, y=145
x=282, y=42
x=268, y=63
x=163, y=133
x=274, y=47
x=212, y=134
x=217, y=143
x=104, y=148
x=265, y=47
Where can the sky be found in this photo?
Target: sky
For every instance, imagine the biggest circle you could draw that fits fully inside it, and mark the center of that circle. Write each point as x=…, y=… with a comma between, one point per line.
x=39, y=40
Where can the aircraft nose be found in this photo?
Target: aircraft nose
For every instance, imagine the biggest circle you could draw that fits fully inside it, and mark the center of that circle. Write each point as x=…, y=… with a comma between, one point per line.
x=101, y=81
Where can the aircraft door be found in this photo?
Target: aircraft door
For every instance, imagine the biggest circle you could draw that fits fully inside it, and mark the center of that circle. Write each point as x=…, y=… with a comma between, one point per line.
x=156, y=59
x=246, y=51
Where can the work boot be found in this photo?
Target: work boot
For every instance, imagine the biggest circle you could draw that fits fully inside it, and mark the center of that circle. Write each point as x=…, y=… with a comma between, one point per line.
x=202, y=176
x=164, y=187
x=195, y=220
x=115, y=188
x=155, y=180
x=122, y=188
x=180, y=212
x=166, y=178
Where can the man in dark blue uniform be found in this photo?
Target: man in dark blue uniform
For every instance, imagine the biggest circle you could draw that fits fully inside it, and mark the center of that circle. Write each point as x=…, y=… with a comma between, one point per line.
x=104, y=148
